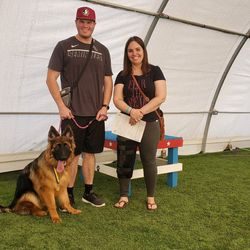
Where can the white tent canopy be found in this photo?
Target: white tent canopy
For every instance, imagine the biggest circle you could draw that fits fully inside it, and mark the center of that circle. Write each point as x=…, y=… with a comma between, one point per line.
x=202, y=47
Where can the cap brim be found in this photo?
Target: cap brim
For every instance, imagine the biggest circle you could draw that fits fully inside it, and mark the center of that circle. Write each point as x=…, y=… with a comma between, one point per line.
x=83, y=18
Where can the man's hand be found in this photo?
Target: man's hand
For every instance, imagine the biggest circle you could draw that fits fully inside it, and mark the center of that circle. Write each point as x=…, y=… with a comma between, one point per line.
x=65, y=113
x=102, y=114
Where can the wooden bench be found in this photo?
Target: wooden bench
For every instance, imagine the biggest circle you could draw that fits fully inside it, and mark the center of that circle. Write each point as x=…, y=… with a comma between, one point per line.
x=171, y=165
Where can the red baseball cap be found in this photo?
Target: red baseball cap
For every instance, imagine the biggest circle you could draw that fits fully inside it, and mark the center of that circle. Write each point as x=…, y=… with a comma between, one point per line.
x=85, y=13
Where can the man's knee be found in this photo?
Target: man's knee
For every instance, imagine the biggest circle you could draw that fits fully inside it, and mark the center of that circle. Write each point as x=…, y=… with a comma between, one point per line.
x=88, y=156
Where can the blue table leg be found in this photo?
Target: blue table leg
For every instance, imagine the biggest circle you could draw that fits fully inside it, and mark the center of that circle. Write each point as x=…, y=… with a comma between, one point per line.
x=129, y=189
x=172, y=178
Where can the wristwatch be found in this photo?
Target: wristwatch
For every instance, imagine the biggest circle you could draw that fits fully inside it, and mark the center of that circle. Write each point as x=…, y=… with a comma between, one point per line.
x=105, y=105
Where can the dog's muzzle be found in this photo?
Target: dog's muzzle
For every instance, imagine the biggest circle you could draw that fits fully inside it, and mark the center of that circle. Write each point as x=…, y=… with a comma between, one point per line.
x=61, y=152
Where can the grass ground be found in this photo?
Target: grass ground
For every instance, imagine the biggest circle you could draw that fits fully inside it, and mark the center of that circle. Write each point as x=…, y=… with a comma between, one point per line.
x=210, y=209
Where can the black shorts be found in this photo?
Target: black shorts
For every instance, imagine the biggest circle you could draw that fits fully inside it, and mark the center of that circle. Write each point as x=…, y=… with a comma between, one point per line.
x=90, y=139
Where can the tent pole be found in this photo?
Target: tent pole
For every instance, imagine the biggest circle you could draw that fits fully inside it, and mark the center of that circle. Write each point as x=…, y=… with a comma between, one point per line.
x=165, y=16
x=212, y=111
x=155, y=21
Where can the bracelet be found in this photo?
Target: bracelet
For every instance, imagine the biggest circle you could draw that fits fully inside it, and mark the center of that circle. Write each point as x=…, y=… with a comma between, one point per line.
x=128, y=110
x=106, y=106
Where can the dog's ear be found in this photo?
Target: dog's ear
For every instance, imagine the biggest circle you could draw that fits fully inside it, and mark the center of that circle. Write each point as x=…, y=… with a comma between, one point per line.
x=68, y=132
x=53, y=133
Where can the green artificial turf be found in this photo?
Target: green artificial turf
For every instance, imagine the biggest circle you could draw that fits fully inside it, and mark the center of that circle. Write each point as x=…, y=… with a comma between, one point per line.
x=209, y=209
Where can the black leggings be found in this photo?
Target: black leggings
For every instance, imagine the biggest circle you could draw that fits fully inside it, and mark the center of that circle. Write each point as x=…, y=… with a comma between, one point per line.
x=126, y=154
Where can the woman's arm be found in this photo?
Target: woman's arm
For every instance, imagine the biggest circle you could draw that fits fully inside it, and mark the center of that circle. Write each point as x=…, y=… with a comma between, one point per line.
x=118, y=98
x=135, y=114
x=160, y=97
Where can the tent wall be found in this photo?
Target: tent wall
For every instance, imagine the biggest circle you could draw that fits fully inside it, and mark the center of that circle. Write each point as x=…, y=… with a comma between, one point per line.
x=192, y=41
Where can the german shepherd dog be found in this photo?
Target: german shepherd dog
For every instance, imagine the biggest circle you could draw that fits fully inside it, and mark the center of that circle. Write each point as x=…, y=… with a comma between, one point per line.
x=44, y=181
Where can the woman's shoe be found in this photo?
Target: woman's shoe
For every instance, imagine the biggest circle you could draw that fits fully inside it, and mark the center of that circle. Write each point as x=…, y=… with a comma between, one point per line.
x=121, y=204
x=150, y=204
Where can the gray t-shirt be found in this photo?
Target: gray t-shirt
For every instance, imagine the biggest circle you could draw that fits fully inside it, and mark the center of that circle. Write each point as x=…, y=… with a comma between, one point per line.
x=68, y=58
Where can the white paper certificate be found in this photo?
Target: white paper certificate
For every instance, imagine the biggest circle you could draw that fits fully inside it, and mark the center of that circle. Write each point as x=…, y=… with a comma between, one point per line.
x=122, y=127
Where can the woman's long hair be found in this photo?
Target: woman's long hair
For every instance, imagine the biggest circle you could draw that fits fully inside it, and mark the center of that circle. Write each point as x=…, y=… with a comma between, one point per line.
x=127, y=65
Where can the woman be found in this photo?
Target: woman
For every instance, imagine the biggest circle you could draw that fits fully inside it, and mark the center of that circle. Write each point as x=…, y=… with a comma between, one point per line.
x=129, y=100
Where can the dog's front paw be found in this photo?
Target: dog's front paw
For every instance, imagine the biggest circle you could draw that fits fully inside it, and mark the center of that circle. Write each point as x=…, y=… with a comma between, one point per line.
x=56, y=219
x=76, y=211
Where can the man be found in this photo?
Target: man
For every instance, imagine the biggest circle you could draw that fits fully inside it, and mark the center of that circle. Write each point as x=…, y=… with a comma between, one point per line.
x=90, y=98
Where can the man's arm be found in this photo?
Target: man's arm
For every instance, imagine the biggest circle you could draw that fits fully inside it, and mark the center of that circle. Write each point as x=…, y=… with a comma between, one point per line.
x=108, y=87
x=53, y=86
x=107, y=93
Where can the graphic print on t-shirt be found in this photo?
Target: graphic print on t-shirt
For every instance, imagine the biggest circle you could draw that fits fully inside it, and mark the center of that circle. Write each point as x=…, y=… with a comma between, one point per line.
x=136, y=100
x=83, y=53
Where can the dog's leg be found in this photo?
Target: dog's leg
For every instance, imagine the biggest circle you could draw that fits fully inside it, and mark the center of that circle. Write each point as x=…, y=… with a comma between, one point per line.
x=38, y=212
x=47, y=196
x=65, y=203
x=27, y=207
x=29, y=204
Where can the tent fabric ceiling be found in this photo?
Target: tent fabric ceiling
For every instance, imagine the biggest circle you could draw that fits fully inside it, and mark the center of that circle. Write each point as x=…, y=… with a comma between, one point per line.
x=187, y=42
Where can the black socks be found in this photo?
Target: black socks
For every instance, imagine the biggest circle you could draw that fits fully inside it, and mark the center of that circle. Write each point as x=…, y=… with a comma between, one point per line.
x=88, y=188
x=70, y=190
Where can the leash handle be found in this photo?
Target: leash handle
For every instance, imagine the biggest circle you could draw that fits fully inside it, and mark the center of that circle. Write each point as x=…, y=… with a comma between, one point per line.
x=82, y=127
x=60, y=125
x=78, y=125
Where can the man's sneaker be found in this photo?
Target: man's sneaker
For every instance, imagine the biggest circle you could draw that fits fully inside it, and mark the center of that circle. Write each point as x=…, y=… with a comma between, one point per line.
x=92, y=199
x=72, y=203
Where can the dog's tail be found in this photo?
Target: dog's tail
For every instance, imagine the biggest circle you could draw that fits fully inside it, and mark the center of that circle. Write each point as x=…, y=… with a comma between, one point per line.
x=4, y=209
x=8, y=209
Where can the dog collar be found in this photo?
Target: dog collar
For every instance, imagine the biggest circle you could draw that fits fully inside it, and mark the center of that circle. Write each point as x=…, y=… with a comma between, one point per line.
x=56, y=175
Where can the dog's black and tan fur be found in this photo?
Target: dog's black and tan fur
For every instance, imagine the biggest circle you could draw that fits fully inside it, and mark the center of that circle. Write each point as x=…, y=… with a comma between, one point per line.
x=44, y=181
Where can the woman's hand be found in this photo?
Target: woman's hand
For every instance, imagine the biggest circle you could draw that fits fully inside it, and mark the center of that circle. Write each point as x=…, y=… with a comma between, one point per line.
x=132, y=121
x=136, y=115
